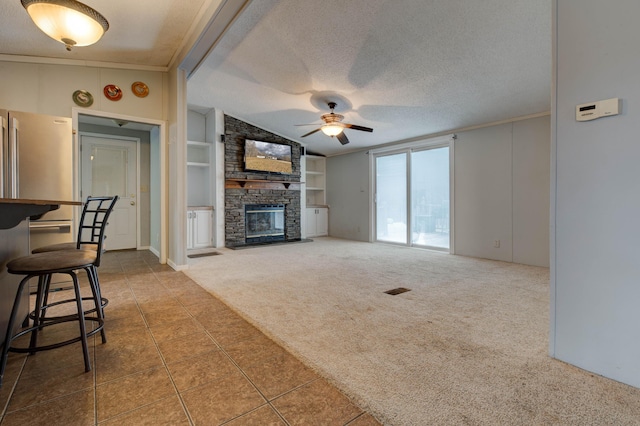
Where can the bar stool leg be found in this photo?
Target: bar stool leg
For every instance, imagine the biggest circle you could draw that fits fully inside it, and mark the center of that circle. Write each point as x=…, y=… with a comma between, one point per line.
x=83, y=332
x=38, y=311
x=12, y=321
x=92, y=274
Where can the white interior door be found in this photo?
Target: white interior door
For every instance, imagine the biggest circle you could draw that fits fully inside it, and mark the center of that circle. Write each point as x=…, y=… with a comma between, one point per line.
x=109, y=167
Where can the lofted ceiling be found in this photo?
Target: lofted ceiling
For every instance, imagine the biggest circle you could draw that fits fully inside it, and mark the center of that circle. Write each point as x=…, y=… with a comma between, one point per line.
x=405, y=68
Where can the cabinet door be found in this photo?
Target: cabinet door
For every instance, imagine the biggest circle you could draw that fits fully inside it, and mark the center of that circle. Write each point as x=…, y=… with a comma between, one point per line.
x=322, y=221
x=202, y=228
x=190, y=220
x=311, y=222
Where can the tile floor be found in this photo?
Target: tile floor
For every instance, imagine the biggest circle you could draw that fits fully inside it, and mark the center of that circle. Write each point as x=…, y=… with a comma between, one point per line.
x=175, y=355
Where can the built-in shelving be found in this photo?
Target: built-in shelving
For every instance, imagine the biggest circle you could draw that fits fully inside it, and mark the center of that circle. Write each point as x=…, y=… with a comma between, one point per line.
x=315, y=180
x=317, y=211
x=199, y=173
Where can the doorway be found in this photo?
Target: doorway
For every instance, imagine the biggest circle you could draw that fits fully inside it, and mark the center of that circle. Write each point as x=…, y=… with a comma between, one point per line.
x=109, y=166
x=153, y=186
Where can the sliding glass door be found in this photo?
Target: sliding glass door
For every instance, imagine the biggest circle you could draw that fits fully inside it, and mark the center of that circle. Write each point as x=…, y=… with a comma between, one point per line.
x=412, y=203
x=391, y=198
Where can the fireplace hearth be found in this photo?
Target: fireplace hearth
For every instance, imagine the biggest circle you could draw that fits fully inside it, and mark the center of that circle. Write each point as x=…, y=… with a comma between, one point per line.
x=264, y=223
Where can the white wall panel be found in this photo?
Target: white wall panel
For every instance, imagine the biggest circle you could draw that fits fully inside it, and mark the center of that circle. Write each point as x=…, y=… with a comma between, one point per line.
x=348, y=196
x=531, y=162
x=483, y=189
x=595, y=269
x=48, y=89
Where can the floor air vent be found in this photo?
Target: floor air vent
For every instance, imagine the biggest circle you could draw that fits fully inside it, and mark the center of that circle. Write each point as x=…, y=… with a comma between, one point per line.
x=398, y=290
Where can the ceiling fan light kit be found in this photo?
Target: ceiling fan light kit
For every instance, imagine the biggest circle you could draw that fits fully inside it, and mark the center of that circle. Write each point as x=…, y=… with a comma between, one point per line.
x=334, y=126
x=332, y=129
x=67, y=21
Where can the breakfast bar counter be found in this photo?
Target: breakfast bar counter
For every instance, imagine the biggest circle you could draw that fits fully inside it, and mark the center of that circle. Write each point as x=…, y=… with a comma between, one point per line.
x=15, y=210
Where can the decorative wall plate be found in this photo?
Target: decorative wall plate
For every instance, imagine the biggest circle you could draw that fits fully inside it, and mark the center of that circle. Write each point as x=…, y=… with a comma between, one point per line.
x=112, y=92
x=82, y=98
x=140, y=89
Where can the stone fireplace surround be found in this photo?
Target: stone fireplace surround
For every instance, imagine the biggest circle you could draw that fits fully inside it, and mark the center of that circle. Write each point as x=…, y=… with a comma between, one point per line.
x=236, y=131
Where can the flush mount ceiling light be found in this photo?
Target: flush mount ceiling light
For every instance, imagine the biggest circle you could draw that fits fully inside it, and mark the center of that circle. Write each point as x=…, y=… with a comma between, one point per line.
x=67, y=21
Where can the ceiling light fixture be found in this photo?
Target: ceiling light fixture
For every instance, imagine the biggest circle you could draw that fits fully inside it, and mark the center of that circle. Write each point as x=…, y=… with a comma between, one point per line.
x=332, y=129
x=67, y=21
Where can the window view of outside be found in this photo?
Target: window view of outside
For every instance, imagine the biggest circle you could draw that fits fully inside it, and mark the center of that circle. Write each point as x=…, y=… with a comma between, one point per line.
x=430, y=197
x=391, y=206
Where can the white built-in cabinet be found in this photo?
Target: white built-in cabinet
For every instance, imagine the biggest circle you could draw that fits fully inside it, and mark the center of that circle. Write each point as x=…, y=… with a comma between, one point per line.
x=317, y=211
x=317, y=221
x=199, y=227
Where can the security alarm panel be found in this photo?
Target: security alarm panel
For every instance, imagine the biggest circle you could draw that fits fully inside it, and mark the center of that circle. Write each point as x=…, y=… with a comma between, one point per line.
x=593, y=110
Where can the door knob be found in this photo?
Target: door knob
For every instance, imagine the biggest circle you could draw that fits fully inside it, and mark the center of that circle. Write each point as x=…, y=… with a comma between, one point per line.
x=133, y=203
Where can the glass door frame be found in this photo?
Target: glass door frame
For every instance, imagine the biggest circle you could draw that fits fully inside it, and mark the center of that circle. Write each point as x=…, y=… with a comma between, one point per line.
x=407, y=149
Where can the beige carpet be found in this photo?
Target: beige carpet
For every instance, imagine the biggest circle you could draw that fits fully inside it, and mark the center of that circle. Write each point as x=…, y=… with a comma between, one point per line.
x=467, y=345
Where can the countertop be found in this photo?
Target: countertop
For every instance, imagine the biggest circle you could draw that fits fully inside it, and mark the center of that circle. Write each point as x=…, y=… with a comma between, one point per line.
x=15, y=210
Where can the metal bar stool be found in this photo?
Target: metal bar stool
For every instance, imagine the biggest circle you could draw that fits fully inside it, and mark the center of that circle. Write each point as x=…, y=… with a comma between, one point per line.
x=65, y=261
x=91, y=235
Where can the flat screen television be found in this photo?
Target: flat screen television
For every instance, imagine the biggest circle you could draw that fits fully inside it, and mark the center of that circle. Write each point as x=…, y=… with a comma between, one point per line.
x=267, y=157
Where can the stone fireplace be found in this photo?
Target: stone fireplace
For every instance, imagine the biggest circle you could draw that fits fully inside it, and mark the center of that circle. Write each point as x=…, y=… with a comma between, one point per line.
x=245, y=190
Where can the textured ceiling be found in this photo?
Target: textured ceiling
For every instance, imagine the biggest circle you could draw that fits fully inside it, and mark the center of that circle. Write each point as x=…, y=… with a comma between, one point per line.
x=405, y=68
x=142, y=32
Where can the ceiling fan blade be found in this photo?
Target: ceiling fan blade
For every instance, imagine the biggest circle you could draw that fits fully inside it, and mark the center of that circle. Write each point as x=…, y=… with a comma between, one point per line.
x=342, y=138
x=310, y=124
x=355, y=127
x=310, y=133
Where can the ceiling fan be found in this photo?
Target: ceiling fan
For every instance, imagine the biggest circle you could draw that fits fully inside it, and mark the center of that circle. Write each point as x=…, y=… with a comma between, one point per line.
x=334, y=126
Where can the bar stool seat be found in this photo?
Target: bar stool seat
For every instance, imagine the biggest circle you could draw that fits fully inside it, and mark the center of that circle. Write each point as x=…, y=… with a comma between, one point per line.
x=42, y=266
x=53, y=262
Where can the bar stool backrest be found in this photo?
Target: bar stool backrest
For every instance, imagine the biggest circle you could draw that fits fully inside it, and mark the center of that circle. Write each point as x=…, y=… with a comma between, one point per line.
x=93, y=223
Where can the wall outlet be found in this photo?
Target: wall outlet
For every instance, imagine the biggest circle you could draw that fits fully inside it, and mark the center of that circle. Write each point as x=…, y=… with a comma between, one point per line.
x=496, y=243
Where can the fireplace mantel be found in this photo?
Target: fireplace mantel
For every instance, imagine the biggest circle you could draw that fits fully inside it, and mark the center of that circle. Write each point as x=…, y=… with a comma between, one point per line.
x=262, y=184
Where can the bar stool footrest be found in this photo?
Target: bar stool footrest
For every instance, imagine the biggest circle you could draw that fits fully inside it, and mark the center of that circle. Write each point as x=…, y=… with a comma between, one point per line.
x=104, y=302
x=59, y=320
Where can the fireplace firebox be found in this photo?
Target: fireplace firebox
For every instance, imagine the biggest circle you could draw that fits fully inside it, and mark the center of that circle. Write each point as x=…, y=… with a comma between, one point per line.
x=264, y=223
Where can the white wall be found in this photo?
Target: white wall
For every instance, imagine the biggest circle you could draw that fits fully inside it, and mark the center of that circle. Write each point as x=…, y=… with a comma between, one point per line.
x=483, y=197
x=501, y=193
x=595, y=271
x=196, y=126
x=531, y=176
x=347, y=182
x=155, y=176
x=48, y=89
x=177, y=166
